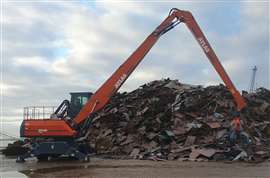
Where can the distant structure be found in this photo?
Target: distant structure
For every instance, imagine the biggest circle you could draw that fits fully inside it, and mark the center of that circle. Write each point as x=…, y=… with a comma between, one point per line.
x=252, y=81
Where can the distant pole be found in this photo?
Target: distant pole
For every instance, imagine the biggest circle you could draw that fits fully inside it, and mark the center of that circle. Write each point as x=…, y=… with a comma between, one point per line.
x=252, y=81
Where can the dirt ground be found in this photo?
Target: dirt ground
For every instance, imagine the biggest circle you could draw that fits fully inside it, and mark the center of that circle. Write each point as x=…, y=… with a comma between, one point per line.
x=108, y=168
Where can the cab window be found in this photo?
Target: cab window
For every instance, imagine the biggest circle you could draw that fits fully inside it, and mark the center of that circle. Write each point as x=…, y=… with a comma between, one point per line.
x=84, y=100
x=81, y=100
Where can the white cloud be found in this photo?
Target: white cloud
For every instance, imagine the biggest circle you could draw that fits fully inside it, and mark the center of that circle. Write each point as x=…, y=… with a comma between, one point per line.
x=8, y=89
x=233, y=66
x=60, y=67
x=37, y=63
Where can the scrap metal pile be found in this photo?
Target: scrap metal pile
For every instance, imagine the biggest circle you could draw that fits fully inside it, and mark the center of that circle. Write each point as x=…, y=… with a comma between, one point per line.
x=167, y=120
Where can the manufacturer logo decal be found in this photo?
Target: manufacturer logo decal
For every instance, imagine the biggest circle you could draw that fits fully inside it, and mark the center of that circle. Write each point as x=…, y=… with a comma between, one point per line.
x=120, y=81
x=203, y=44
x=42, y=130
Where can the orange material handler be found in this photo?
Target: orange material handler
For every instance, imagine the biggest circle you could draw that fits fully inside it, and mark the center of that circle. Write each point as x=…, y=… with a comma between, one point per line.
x=62, y=134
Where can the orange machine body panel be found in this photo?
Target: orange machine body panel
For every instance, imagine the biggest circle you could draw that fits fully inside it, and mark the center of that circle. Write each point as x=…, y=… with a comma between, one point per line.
x=46, y=128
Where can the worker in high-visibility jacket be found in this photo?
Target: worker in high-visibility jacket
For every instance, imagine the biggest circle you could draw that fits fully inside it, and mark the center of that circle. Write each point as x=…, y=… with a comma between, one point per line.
x=237, y=131
x=237, y=124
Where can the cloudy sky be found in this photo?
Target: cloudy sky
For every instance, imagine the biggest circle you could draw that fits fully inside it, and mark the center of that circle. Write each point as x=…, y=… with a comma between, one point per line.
x=52, y=48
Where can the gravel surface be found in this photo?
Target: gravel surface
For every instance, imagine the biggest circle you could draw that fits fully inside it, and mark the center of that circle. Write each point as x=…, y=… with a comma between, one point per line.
x=109, y=168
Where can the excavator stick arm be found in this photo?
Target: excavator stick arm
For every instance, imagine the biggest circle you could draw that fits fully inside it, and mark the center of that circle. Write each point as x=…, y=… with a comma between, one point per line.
x=192, y=25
